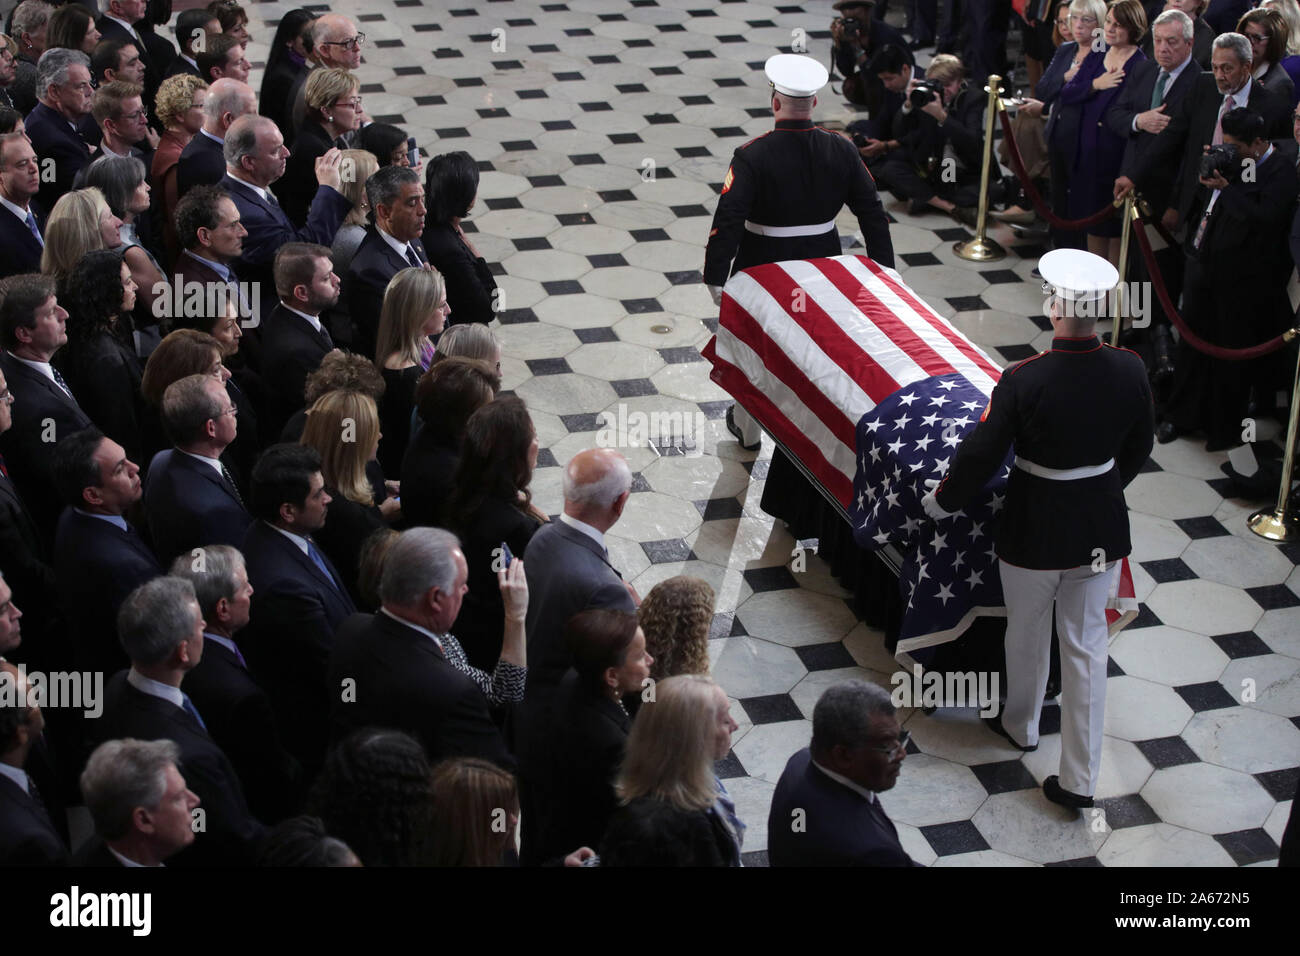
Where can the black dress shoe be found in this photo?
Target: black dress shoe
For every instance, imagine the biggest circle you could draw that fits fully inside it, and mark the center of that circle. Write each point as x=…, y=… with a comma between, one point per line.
x=731, y=427
x=995, y=724
x=1053, y=791
x=1166, y=432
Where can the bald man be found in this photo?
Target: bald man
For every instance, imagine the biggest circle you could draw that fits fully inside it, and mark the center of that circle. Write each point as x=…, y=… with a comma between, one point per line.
x=568, y=562
x=202, y=162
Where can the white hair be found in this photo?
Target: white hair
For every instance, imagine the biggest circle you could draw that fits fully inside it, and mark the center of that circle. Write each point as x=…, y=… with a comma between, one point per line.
x=604, y=491
x=1178, y=17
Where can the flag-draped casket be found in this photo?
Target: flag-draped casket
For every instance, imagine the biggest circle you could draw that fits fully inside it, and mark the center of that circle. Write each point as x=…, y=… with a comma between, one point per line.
x=872, y=390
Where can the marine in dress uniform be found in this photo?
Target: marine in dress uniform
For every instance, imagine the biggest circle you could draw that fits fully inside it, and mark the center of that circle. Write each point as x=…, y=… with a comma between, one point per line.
x=783, y=191
x=1081, y=419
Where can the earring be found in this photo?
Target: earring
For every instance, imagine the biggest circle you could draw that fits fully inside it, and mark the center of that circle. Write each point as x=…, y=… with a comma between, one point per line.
x=329, y=119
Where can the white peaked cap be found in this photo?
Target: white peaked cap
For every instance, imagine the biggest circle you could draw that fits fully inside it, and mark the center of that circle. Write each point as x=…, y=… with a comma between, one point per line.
x=1076, y=275
x=795, y=75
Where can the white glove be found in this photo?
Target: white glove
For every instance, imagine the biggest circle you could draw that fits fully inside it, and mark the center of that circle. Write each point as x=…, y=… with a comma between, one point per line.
x=931, y=504
x=716, y=292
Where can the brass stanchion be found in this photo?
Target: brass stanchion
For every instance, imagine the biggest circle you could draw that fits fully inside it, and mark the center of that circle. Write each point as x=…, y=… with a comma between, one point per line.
x=982, y=248
x=1277, y=524
x=1121, y=299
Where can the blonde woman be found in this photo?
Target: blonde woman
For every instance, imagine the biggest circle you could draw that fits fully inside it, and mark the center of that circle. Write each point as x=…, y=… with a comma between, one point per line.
x=343, y=428
x=360, y=165
x=80, y=222
x=475, y=814
x=415, y=307
x=179, y=104
x=674, y=811
x=333, y=109
x=675, y=616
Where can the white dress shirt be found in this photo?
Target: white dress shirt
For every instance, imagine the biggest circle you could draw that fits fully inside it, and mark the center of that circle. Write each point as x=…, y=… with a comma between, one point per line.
x=147, y=685
x=213, y=463
x=869, y=795
x=17, y=774
x=593, y=533
x=313, y=320
x=401, y=248
x=436, y=638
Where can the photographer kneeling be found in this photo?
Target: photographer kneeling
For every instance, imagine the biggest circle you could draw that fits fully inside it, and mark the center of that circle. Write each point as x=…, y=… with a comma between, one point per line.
x=936, y=146
x=855, y=38
x=1234, y=291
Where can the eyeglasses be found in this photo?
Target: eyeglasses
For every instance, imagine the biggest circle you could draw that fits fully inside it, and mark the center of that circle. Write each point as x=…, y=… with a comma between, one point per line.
x=355, y=103
x=351, y=43
x=132, y=117
x=1258, y=38
x=1074, y=17
x=7, y=397
x=903, y=739
x=232, y=410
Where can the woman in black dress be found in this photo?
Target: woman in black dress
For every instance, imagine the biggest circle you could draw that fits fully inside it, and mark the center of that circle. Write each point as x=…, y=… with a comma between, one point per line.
x=415, y=307
x=450, y=188
x=343, y=427
x=491, y=508
x=100, y=369
x=333, y=109
x=284, y=64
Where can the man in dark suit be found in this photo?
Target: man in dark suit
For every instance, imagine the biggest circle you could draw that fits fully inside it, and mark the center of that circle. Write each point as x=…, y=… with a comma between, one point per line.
x=21, y=218
x=64, y=94
x=44, y=409
x=202, y=161
x=190, y=497
x=211, y=238
x=162, y=632
x=223, y=58
x=98, y=556
x=392, y=244
x=1230, y=86
x=27, y=835
x=1145, y=109
x=1234, y=293
x=825, y=811
x=236, y=709
x=294, y=341
x=118, y=23
x=299, y=599
x=255, y=158
x=568, y=563
x=190, y=26
x=140, y=803
x=24, y=559
x=390, y=669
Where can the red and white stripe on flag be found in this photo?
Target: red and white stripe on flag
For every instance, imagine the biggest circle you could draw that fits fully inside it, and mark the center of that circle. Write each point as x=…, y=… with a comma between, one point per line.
x=810, y=346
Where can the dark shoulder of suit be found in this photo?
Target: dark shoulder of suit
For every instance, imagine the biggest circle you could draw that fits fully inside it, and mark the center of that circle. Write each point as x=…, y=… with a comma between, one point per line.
x=650, y=832
x=27, y=837
x=428, y=470
x=839, y=827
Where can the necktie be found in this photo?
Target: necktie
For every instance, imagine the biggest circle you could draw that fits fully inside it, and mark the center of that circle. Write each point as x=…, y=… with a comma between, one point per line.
x=411, y=257
x=1158, y=94
x=231, y=481
x=4, y=472
x=320, y=563
x=58, y=380
x=188, y=706
x=239, y=657
x=1218, y=126
x=35, y=230
x=325, y=334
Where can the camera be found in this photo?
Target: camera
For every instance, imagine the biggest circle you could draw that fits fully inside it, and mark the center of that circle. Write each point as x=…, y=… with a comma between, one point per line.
x=1221, y=159
x=925, y=92
x=859, y=141
x=852, y=26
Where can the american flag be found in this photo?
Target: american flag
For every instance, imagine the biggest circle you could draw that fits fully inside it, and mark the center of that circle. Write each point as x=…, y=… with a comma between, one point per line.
x=872, y=390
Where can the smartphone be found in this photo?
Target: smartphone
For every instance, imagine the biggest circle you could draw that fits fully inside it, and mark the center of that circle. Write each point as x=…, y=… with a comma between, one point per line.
x=412, y=152
x=506, y=556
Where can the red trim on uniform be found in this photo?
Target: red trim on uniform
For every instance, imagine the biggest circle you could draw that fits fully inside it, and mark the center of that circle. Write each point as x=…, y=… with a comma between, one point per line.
x=1024, y=362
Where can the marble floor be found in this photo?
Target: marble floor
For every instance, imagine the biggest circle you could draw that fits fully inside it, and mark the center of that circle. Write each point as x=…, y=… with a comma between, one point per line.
x=603, y=131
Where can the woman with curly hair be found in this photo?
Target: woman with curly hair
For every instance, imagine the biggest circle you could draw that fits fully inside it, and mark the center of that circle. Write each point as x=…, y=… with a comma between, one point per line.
x=675, y=616
x=375, y=794
x=570, y=760
x=343, y=427
x=475, y=814
x=179, y=105
x=101, y=370
x=491, y=508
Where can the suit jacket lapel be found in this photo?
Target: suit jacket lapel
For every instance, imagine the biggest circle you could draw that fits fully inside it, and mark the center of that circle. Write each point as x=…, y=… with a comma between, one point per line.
x=203, y=469
x=47, y=384
x=581, y=539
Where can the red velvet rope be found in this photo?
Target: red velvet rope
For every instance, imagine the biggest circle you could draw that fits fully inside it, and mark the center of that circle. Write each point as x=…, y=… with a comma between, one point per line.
x=1188, y=336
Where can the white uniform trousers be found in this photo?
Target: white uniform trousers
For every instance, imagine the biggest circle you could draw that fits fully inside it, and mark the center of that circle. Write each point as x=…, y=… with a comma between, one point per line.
x=750, y=431
x=1080, y=596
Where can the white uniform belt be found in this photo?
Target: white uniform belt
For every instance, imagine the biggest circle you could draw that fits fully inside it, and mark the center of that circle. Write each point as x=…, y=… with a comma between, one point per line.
x=785, y=232
x=1065, y=474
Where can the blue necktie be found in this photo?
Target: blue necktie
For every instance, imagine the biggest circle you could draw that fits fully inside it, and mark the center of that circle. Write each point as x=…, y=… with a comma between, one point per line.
x=188, y=706
x=35, y=230
x=58, y=380
x=320, y=562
